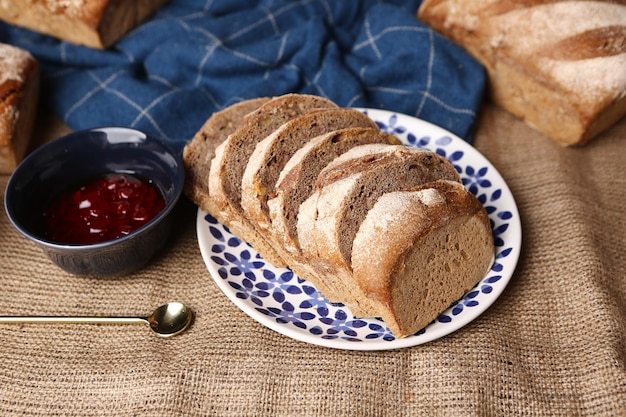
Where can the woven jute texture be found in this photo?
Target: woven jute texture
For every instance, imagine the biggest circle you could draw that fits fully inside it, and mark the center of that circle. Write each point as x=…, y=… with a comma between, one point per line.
x=553, y=344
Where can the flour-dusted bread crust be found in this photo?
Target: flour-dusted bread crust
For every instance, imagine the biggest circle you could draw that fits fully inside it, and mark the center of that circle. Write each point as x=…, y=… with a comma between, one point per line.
x=93, y=23
x=198, y=154
x=412, y=274
x=344, y=192
x=232, y=156
x=273, y=152
x=559, y=65
x=295, y=185
x=19, y=95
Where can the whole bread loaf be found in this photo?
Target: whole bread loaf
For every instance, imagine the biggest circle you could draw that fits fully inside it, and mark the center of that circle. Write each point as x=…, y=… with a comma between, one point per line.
x=320, y=182
x=559, y=65
x=92, y=23
x=19, y=95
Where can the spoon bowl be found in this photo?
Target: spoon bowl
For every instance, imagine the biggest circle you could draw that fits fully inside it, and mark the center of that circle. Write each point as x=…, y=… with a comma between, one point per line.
x=167, y=320
x=170, y=319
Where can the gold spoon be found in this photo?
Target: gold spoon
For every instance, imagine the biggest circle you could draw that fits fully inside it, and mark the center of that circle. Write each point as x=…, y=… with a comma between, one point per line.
x=167, y=320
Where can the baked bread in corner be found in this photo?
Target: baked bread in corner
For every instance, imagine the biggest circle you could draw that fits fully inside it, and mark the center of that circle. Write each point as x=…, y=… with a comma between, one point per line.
x=558, y=65
x=94, y=23
x=19, y=97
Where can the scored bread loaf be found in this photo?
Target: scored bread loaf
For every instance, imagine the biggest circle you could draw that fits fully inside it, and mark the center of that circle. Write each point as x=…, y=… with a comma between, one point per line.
x=19, y=95
x=558, y=65
x=343, y=193
x=198, y=153
x=412, y=274
x=93, y=23
x=272, y=153
x=232, y=156
x=295, y=185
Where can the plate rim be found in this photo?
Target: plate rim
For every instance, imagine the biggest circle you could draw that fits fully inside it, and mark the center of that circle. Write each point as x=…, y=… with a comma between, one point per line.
x=398, y=343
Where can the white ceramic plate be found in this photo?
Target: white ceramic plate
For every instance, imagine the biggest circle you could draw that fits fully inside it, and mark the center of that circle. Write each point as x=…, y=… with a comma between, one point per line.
x=278, y=299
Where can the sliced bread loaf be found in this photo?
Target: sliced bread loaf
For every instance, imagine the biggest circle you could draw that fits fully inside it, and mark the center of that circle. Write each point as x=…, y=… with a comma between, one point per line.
x=412, y=274
x=334, y=204
x=232, y=156
x=273, y=152
x=198, y=153
x=295, y=184
x=344, y=192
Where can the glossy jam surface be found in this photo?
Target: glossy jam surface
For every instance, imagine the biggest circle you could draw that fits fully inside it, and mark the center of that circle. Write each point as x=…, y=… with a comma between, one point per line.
x=103, y=208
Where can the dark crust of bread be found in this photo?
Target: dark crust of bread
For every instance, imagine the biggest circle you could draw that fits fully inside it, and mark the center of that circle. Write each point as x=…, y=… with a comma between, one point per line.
x=232, y=156
x=429, y=162
x=199, y=152
x=228, y=169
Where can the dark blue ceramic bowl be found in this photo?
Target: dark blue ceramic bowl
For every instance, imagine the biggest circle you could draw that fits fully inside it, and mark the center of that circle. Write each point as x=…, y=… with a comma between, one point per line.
x=81, y=155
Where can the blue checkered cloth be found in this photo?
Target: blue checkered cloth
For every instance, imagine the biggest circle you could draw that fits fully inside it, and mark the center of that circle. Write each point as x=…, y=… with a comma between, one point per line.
x=194, y=57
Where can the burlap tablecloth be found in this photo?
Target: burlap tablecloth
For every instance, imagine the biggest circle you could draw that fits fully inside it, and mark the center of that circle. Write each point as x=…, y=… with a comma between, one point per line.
x=553, y=344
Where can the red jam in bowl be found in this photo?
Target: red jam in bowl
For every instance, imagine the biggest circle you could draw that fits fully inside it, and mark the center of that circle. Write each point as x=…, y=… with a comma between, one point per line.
x=103, y=208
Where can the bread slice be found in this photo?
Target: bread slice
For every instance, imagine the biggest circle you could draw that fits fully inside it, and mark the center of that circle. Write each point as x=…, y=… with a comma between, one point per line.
x=273, y=152
x=344, y=192
x=412, y=274
x=295, y=185
x=232, y=156
x=557, y=65
x=199, y=152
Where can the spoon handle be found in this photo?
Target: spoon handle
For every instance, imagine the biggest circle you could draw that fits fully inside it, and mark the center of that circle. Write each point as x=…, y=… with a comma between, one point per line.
x=73, y=320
